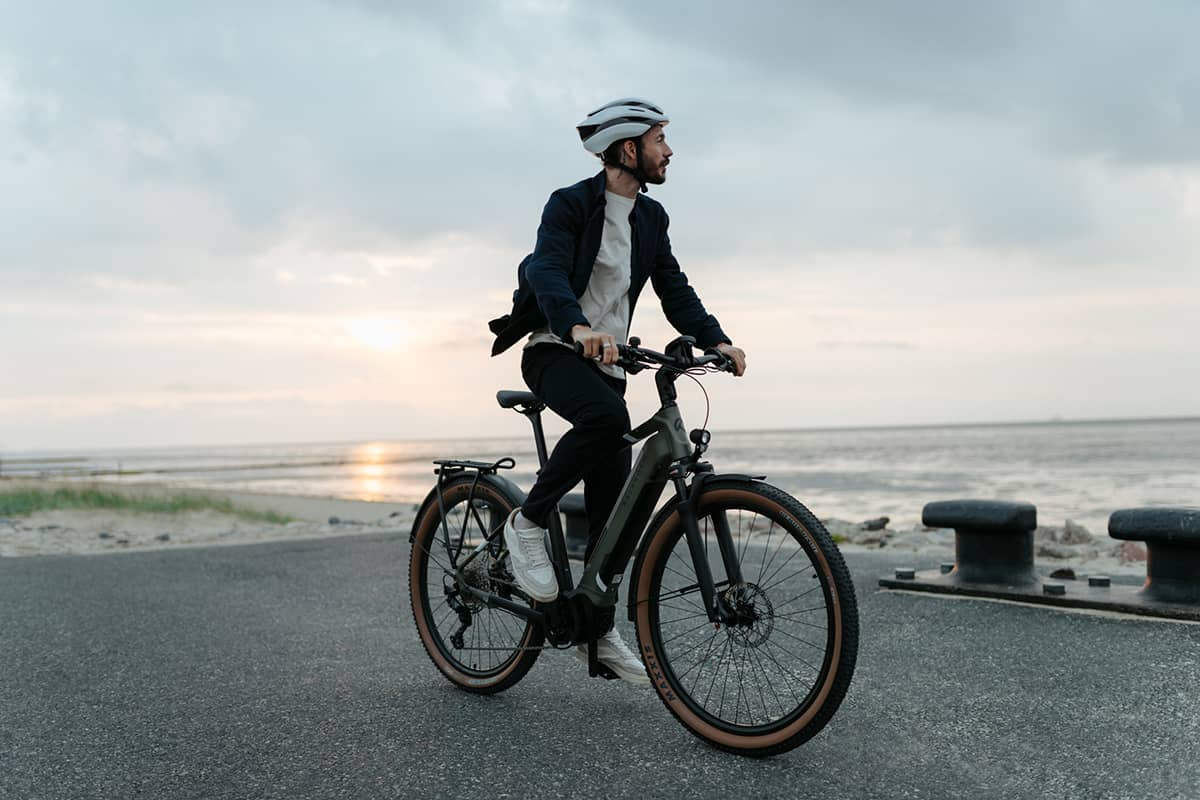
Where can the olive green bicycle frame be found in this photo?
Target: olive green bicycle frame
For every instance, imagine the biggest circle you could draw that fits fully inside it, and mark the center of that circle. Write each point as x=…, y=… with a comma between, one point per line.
x=663, y=458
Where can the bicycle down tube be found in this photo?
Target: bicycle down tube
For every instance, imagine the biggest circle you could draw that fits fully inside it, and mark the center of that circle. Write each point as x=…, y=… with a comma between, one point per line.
x=666, y=444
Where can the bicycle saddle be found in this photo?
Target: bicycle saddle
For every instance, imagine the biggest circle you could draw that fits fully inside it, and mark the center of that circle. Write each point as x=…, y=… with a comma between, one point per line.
x=510, y=399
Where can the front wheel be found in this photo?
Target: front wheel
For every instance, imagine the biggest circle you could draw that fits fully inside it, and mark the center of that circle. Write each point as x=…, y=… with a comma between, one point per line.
x=773, y=679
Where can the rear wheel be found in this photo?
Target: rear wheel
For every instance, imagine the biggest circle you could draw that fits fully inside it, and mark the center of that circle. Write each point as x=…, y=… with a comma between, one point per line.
x=772, y=680
x=479, y=648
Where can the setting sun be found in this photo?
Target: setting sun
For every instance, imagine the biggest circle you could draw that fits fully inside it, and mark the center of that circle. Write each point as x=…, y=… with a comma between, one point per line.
x=378, y=333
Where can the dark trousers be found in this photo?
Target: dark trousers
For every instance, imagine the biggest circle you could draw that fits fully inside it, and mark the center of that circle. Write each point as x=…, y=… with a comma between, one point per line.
x=594, y=450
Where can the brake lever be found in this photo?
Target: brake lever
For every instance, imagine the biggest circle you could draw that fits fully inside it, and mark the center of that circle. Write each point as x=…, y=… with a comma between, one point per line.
x=725, y=362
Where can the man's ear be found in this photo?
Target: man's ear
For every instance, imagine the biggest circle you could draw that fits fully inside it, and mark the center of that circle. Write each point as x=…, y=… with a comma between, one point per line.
x=628, y=148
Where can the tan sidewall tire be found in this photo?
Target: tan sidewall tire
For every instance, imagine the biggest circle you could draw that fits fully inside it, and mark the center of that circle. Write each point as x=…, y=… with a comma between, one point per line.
x=427, y=528
x=678, y=707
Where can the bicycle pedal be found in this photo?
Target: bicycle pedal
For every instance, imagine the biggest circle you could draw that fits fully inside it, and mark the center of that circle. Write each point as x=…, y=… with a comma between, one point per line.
x=602, y=671
x=597, y=669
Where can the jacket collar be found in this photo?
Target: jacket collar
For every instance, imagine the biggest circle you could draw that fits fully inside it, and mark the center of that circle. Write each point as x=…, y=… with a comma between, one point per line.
x=599, y=182
x=596, y=185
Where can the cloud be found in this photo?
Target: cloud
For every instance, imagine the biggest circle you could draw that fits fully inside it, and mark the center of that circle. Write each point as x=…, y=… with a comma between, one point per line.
x=209, y=195
x=1090, y=79
x=825, y=126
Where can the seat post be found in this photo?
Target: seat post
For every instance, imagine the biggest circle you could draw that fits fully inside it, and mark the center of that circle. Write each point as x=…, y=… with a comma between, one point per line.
x=554, y=528
x=539, y=436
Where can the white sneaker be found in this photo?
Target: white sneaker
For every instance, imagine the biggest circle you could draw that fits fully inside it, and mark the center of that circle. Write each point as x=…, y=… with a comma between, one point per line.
x=530, y=564
x=612, y=652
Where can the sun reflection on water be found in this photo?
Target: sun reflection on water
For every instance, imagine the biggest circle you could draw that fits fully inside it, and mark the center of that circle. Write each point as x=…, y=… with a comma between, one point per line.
x=368, y=471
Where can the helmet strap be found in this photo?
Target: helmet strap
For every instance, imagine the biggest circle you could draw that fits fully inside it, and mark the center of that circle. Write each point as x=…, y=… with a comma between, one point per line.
x=638, y=173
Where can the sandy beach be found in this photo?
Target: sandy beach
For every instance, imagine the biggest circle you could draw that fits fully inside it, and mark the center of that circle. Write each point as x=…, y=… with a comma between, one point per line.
x=108, y=531
x=103, y=530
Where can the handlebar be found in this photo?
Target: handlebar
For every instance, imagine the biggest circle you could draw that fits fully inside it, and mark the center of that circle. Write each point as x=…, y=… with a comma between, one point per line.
x=634, y=358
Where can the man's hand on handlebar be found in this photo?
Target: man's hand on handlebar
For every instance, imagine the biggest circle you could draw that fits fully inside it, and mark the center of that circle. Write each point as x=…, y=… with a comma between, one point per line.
x=735, y=354
x=601, y=347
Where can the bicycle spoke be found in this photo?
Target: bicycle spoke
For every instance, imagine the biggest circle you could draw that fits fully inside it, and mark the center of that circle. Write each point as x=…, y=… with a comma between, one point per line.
x=786, y=561
x=684, y=619
x=449, y=613
x=716, y=671
x=784, y=673
x=766, y=547
x=778, y=700
x=797, y=597
x=778, y=549
x=704, y=624
x=669, y=568
x=792, y=618
x=762, y=588
x=798, y=639
x=491, y=623
x=694, y=648
x=725, y=682
x=693, y=607
x=758, y=685
x=741, y=685
x=702, y=661
x=505, y=621
x=793, y=655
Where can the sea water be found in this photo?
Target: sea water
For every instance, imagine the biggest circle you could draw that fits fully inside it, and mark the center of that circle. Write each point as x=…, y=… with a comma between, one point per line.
x=1081, y=471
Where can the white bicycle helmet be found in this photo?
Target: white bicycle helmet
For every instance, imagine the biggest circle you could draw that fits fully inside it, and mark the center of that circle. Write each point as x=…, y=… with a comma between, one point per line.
x=626, y=118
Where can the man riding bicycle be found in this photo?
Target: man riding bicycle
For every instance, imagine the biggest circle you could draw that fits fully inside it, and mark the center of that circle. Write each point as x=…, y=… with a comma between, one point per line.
x=598, y=242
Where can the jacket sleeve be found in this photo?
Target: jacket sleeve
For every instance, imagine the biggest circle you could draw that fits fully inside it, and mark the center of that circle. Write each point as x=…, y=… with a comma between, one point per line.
x=681, y=306
x=549, y=268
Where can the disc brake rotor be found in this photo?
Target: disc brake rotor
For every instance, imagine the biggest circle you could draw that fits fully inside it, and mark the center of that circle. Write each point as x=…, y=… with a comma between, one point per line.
x=756, y=615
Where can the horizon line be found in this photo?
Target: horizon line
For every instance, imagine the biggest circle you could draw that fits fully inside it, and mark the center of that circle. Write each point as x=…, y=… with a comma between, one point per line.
x=1041, y=422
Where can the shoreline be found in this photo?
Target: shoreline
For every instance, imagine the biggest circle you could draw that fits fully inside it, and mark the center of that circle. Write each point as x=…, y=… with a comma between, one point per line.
x=98, y=531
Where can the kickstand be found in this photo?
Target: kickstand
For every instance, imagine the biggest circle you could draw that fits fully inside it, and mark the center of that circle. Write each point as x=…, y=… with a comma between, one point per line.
x=595, y=668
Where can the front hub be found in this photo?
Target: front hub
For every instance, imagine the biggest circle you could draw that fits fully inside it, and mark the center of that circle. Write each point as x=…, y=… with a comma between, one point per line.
x=752, y=614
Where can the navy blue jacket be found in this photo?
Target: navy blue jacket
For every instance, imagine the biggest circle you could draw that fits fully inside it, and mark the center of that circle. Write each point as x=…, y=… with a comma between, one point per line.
x=555, y=275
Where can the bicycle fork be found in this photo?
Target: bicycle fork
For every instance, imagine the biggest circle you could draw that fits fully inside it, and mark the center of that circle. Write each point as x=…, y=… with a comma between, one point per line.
x=719, y=611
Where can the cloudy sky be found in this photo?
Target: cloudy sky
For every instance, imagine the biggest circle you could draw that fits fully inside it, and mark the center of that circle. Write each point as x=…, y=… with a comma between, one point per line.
x=290, y=221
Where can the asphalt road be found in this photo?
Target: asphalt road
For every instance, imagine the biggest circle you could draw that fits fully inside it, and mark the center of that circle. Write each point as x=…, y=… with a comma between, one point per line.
x=292, y=670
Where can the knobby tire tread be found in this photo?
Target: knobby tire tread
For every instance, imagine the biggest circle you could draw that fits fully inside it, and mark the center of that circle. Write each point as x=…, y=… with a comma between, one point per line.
x=842, y=584
x=428, y=524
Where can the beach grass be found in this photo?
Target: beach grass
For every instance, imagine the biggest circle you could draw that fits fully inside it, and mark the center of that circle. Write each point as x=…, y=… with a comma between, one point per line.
x=25, y=501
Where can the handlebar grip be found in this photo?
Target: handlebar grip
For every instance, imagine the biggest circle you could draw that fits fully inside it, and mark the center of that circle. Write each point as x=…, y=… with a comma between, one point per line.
x=726, y=363
x=621, y=349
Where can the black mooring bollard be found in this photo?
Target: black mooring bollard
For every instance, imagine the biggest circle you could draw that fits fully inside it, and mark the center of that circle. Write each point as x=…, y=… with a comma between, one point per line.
x=1172, y=537
x=993, y=539
x=576, y=529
